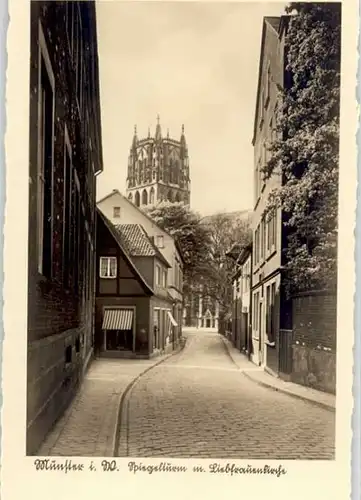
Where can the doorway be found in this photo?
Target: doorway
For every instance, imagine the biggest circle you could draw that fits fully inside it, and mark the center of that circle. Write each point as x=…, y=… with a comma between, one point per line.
x=262, y=350
x=119, y=340
x=119, y=329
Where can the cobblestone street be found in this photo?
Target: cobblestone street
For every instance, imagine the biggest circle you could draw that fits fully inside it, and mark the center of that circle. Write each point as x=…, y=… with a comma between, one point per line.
x=198, y=404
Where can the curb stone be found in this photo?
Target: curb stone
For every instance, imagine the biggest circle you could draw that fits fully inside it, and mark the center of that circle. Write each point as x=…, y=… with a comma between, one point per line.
x=320, y=404
x=228, y=352
x=120, y=416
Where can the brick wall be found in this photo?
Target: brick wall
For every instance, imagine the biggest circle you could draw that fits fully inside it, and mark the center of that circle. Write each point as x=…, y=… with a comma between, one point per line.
x=314, y=340
x=314, y=320
x=60, y=318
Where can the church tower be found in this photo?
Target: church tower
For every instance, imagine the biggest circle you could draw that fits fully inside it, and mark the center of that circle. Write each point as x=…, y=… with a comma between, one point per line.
x=158, y=169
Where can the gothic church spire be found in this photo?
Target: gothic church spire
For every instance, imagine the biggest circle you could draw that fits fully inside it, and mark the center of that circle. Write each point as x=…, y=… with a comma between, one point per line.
x=158, y=130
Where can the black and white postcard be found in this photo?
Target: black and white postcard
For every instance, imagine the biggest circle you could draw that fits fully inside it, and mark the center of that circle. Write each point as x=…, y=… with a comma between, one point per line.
x=179, y=271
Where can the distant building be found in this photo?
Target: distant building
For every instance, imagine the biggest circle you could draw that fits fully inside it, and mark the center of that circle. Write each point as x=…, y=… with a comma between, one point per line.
x=119, y=210
x=65, y=157
x=133, y=307
x=158, y=169
x=241, y=309
x=201, y=311
x=269, y=304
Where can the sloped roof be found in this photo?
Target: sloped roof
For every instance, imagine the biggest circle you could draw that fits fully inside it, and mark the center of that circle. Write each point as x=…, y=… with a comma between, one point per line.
x=138, y=243
x=124, y=251
x=117, y=192
x=274, y=22
x=234, y=251
x=244, y=253
x=135, y=239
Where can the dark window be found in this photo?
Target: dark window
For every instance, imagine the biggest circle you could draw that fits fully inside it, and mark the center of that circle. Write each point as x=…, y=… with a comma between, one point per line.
x=77, y=344
x=273, y=313
x=74, y=233
x=86, y=275
x=81, y=250
x=67, y=218
x=69, y=6
x=137, y=199
x=68, y=354
x=79, y=71
x=76, y=262
x=45, y=186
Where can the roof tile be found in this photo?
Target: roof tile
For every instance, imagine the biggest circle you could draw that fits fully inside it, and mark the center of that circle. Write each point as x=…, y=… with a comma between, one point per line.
x=136, y=240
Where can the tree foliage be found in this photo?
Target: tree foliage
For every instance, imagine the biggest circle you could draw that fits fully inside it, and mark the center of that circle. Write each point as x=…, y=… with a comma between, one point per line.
x=186, y=228
x=306, y=149
x=225, y=232
x=204, y=243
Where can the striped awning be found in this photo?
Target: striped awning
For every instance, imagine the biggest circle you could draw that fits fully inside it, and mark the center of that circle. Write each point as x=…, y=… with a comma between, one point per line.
x=117, y=319
x=172, y=320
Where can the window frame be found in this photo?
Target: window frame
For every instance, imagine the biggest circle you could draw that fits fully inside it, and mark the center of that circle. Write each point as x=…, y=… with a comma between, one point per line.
x=256, y=312
x=67, y=207
x=158, y=271
x=109, y=258
x=159, y=238
x=78, y=59
x=118, y=211
x=44, y=63
x=164, y=278
x=273, y=312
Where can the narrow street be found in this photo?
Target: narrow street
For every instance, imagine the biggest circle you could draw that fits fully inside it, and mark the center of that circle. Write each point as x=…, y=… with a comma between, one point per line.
x=198, y=404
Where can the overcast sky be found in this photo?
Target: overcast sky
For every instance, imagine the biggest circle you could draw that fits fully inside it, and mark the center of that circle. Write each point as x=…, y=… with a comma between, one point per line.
x=190, y=62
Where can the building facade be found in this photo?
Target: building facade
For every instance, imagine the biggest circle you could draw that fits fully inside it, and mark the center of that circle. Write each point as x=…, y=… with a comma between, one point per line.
x=133, y=308
x=158, y=169
x=65, y=158
x=119, y=210
x=200, y=310
x=241, y=309
x=269, y=239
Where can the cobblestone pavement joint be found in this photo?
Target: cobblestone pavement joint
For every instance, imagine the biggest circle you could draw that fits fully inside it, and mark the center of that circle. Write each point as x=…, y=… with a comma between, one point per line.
x=199, y=404
x=89, y=426
x=128, y=389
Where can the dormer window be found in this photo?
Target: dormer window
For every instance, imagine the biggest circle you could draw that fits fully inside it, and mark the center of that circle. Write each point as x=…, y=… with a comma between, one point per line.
x=108, y=267
x=116, y=212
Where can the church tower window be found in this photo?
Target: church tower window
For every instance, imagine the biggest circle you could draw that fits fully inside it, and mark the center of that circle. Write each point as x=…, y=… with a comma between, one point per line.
x=151, y=196
x=137, y=199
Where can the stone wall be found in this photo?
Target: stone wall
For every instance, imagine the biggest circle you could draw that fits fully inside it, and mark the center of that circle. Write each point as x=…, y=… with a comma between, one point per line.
x=314, y=341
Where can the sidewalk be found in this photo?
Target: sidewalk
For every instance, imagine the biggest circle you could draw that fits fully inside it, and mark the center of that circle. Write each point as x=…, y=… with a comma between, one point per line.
x=89, y=426
x=261, y=377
